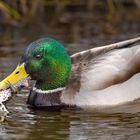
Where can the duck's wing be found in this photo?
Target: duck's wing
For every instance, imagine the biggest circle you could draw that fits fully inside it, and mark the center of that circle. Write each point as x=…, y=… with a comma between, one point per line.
x=95, y=52
x=101, y=67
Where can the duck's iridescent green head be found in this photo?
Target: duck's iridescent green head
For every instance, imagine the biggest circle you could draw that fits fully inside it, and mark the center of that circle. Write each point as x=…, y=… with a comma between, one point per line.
x=47, y=62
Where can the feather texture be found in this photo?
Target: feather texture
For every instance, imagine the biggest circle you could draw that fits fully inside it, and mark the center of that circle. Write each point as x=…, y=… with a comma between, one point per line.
x=107, y=75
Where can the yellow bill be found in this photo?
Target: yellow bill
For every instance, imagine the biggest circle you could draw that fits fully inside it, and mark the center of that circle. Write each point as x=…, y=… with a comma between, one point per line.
x=17, y=75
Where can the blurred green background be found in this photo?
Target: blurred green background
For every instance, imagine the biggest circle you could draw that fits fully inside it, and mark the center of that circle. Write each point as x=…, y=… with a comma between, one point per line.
x=95, y=22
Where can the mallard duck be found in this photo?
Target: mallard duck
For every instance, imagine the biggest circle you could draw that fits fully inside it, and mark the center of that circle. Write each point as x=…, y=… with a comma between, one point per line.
x=102, y=76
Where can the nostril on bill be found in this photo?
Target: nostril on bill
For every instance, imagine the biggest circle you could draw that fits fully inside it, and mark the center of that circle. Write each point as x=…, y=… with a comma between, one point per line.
x=17, y=72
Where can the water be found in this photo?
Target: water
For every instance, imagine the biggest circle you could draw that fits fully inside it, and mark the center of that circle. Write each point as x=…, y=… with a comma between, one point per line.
x=23, y=123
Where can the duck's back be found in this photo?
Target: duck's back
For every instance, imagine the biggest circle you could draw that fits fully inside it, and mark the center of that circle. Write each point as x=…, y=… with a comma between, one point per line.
x=104, y=76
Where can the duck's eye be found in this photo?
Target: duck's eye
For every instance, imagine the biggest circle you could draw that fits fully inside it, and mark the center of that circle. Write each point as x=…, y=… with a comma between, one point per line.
x=38, y=56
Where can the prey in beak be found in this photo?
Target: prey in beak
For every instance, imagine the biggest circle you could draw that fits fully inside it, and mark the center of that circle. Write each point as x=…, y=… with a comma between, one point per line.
x=17, y=79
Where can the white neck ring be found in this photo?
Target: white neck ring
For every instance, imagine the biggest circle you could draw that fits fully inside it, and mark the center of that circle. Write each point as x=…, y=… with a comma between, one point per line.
x=48, y=91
